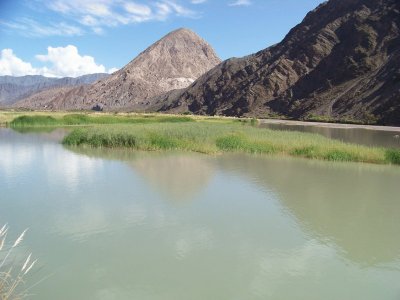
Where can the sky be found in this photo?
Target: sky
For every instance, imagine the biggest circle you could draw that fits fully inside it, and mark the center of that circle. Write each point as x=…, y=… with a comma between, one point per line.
x=59, y=38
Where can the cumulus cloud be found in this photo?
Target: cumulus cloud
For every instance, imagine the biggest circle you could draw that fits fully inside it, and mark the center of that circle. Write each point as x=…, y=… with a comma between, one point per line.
x=241, y=3
x=59, y=62
x=66, y=61
x=10, y=64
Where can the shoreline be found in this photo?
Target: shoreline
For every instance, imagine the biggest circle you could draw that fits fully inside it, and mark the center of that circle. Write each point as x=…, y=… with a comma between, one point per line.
x=330, y=125
x=16, y=113
x=206, y=135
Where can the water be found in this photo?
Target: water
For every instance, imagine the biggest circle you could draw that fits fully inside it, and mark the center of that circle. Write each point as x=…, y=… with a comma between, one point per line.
x=125, y=225
x=367, y=137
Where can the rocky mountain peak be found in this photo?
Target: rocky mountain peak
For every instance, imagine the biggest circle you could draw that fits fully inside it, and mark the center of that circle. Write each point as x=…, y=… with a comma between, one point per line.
x=180, y=54
x=173, y=62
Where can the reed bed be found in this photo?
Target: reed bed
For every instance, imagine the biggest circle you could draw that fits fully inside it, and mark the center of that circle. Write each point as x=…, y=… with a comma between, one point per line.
x=212, y=137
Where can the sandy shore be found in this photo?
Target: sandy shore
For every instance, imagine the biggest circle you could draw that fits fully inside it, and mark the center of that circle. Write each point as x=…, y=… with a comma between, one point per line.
x=330, y=125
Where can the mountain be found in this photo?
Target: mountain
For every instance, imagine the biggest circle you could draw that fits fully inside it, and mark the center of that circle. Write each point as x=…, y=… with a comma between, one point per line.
x=14, y=88
x=173, y=62
x=341, y=61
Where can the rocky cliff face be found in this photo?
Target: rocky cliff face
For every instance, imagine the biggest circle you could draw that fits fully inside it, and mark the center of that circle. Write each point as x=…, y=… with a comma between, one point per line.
x=14, y=88
x=174, y=62
x=342, y=61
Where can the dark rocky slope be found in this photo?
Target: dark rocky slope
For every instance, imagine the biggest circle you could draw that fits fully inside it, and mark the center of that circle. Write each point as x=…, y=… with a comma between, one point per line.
x=342, y=61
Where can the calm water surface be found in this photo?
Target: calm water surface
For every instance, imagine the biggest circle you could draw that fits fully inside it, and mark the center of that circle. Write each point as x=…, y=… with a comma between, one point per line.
x=125, y=225
x=368, y=137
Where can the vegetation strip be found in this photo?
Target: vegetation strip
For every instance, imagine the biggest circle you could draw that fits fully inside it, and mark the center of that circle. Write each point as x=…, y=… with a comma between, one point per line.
x=201, y=134
x=83, y=119
x=211, y=138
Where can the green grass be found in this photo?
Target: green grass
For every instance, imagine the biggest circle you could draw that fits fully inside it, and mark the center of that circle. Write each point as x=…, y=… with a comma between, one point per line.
x=211, y=136
x=30, y=121
x=393, y=156
x=199, y=134
x=84, y=119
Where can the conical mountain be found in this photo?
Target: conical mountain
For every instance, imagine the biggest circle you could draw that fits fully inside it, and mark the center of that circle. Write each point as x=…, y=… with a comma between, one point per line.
x=173, y=62
x=342, y=61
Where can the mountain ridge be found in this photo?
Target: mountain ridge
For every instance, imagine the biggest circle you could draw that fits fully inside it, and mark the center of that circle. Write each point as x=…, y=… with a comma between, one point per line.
x=14, y=88
x=341, y=61
x=173, y=62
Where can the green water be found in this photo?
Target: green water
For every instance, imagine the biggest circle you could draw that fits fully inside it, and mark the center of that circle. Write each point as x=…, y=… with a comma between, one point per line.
x=172, y=226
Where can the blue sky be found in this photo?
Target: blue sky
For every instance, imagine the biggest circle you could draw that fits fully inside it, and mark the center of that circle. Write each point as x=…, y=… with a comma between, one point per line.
x=75, y=37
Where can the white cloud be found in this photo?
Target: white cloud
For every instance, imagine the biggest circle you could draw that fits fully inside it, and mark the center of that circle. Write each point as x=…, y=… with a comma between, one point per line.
x=99, y=14
x=77, y=17
x=241, y=3
x=179, y=10
x=10, y=64
x=137, y=9
x=198, y=1
x=98, y=30
x=163, y=10
x=112, y=70
x=66, y=61
x=89, y=20
x=92, y=7
x=31, y=28
x=59, y=62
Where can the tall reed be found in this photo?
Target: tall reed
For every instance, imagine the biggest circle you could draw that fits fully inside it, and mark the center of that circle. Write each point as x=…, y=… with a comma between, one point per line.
x=12, y=273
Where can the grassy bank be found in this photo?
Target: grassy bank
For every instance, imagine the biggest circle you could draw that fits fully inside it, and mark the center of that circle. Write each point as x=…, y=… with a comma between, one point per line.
x=213, y=137
x=198, y=134
x=83, y=119
x=6, y=116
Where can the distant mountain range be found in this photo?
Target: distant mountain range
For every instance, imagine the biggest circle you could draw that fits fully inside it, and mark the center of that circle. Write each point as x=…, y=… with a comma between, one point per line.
x=13, y=88
x=341, y=61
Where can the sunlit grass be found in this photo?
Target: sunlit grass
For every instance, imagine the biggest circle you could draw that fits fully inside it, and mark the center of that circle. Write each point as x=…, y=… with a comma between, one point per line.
x=83, y=119
x=6, y=116
x=211, y=137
